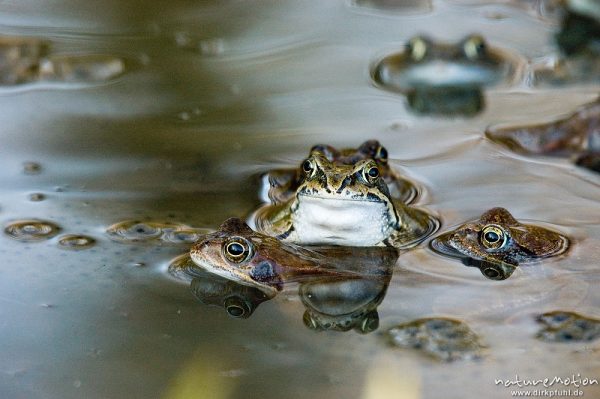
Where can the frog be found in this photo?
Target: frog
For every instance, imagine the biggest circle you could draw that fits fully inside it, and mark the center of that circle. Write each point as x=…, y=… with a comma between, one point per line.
x=279, y=185
x=348, y=205
x=575, y=136
x=244, y=256
x=443, y=78
x=498, y=238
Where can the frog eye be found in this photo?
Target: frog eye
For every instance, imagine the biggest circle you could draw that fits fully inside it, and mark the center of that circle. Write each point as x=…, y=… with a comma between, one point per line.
x=370, y=173
x=381, y=154
x=493, y=237
x=417, y=48
x=308, y=167
x=474, y=47
x=237, y=249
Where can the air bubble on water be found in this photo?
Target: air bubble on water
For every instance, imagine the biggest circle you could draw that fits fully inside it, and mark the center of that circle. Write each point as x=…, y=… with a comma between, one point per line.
x=211, y=47
x=182, y=39
x=75, y=241
x=31, y=168
x=135, y=231
x=31, y=230
x=36, y=197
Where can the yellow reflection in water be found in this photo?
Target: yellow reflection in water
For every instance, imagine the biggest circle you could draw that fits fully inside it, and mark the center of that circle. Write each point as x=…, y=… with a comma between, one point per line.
x=392, y=377
x=200, y=379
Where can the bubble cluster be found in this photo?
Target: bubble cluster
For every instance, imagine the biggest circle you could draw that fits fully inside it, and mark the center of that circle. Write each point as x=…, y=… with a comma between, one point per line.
x=76, y=241
x=134, y=231
x=31, y=230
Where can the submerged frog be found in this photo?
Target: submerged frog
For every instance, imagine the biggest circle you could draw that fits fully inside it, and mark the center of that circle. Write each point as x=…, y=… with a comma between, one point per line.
x=576, y=135
x=349, y=205
x=443, y=78
x=238, y=253
x=498, y=238
x=280, y=185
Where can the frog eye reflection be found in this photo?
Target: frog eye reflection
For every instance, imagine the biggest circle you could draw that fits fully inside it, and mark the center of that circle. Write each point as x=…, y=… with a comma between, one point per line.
x=237, y=249
x=474, y=47
x=308, y=167
x=493, y=237
x=370, y=173
x=417, y=48
x=382, y=154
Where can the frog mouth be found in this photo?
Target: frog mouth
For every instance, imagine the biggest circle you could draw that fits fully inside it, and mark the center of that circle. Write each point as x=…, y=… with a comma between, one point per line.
x=234, y=275
x=441, y=245
x=333, y=197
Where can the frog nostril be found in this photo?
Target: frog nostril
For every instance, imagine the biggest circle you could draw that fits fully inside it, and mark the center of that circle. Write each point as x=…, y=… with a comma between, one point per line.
x=343, y=185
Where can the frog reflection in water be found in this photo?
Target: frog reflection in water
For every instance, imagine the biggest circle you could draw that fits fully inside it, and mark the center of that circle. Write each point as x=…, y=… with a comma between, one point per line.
x=576, y=135
x=498, y=239
x=280, y=185
x=238, y=300
x=443, y=78
x=238, y=253
x=350, y=303
x=346, y=205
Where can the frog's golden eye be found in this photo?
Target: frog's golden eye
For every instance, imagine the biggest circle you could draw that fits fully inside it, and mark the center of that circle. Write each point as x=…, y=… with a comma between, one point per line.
x=381, y=154
x=493, y=237
x=237, y=249
x=474, y=47
x=370, y=172
x=308, y=167
x=417, y=48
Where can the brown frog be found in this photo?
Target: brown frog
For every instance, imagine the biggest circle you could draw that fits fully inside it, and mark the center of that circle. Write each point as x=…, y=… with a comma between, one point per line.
x=573, y=134
x=280, y=185
x=498, y=238
x=576, y=135
x=238, y=253
x=347, y=205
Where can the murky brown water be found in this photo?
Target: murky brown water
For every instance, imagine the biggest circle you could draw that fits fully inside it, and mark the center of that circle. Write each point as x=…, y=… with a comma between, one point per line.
x=217, y=91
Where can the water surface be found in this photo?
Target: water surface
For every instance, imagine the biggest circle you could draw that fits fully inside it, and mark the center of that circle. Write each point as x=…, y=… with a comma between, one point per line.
x=225, y=90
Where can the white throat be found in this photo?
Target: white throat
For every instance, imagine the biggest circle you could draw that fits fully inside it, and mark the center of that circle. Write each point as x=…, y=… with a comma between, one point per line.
x=340, y=222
